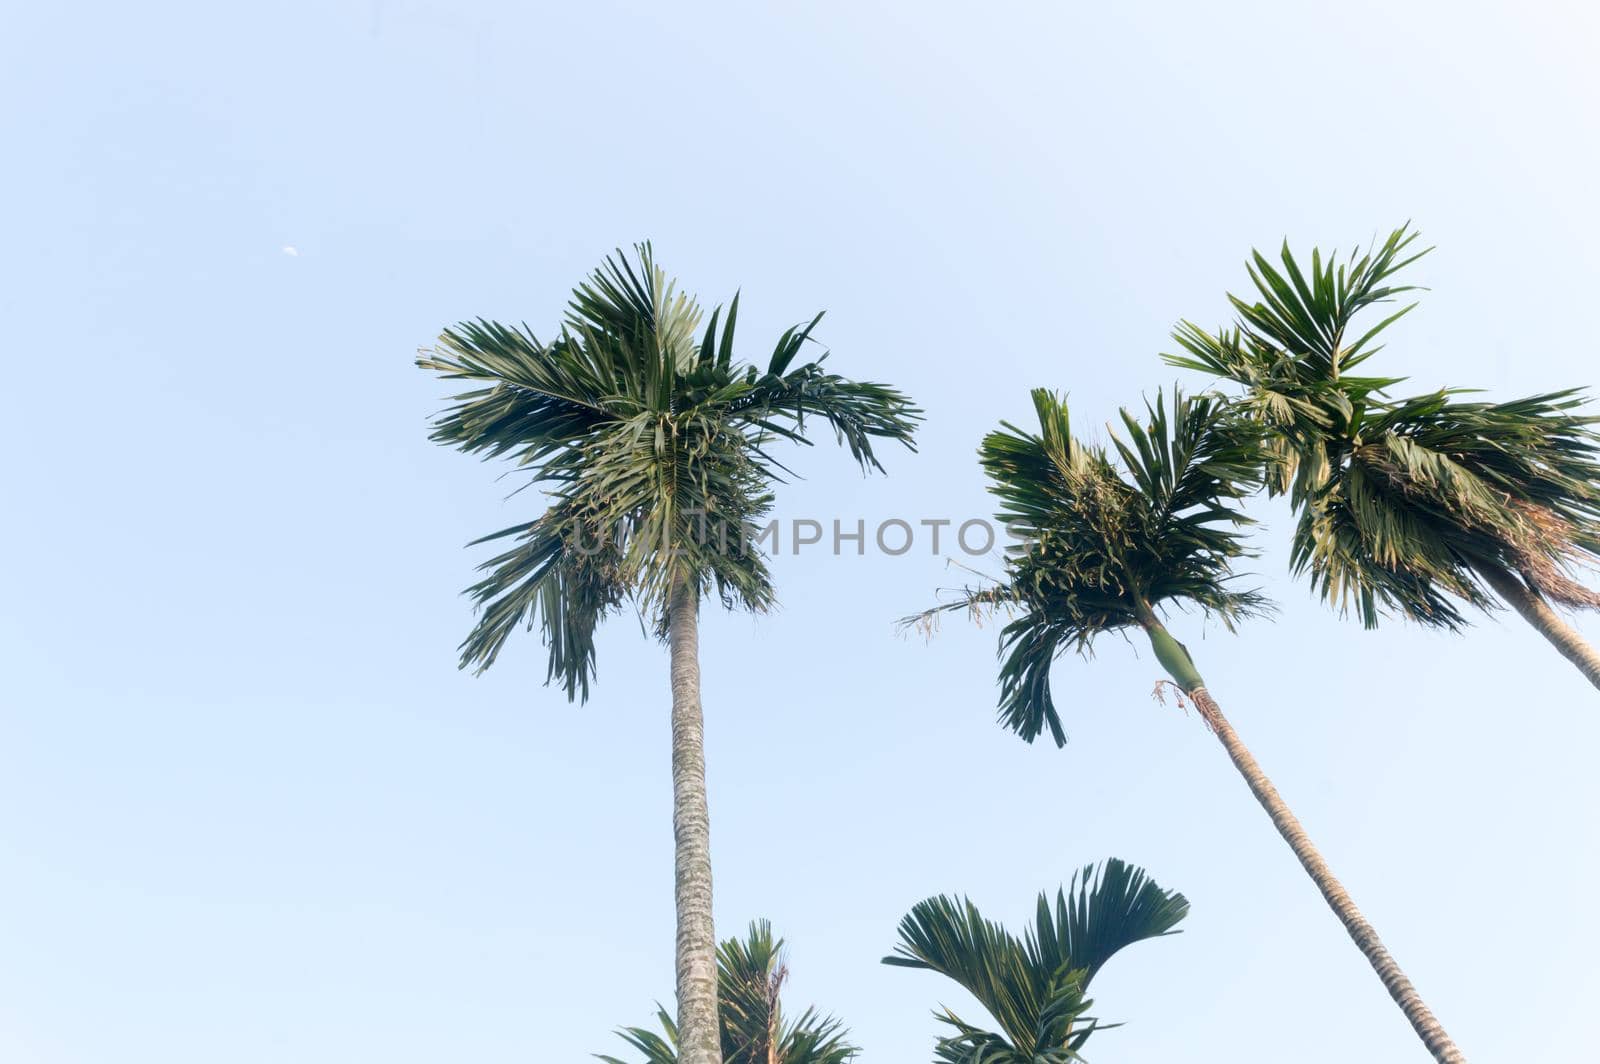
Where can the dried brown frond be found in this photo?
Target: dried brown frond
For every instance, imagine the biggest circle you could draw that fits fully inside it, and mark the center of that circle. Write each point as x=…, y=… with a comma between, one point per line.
x=1546, y=553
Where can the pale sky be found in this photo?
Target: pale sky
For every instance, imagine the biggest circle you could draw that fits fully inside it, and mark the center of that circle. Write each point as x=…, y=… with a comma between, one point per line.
x=250, y=811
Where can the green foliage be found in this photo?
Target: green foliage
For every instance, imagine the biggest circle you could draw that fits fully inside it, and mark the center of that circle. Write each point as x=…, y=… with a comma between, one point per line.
x=750, y=977
x=653, y=448
x=1402, y=505
x=1034, y=987
x=1110, y=535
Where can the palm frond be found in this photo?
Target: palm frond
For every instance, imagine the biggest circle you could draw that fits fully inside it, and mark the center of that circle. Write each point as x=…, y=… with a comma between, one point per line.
x=559, y=575
x=635, y=309
x=974, y=1045
x=813, y=1038
x=542, y=398
x=1106, y=909
x=1034, y=987
x=1104, y=545
x=1404, y=505
x=751, y=973
x=657, y=1048
x=1290, y=349
x=750, y=978
x=950, y=936
x=651, y=441
x=1309, y=319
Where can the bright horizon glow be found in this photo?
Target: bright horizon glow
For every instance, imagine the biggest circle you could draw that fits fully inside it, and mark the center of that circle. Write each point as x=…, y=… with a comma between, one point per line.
x=250, y=811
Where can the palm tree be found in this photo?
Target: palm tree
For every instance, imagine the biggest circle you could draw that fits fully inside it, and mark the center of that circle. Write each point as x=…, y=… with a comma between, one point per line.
x=750, y=977
x=1034, y=987
x=1108, y=550
x=653, y=450
x=1414, y=505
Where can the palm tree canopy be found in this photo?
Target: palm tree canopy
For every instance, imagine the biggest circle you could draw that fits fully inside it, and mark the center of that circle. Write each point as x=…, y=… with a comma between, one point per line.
x=750, y=977
x=652, y=443
x=1402, y=504
x=1034, y=987
x=1109, y=535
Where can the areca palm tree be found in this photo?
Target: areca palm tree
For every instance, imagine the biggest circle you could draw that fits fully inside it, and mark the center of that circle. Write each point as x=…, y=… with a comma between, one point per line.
x=652, y=443
x=1113, y=538
x=1423, y=505
x=750, y=977
x=1034, y=987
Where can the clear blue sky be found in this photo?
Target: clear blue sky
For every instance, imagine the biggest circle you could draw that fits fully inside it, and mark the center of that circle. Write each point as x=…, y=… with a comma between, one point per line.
x=250, y=811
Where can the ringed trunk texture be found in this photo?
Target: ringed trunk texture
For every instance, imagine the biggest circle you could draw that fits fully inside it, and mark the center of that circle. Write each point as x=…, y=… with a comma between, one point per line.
x=1366, y=939
x=699, y=1038
x=1174, y=657
x=1537, y=612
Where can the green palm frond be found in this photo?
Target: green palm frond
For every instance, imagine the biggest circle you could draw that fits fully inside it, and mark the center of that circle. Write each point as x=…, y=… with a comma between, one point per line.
x=950, y=936
x=560, y=570
x=1106, y=909
x=1292, y=348
x=1310, y=319
x=657, y=1048
x=974, y=1045
x=1108, y=536
x=1033, y=987
x=1514, y=485
x=653, y=445
x=750, y=977
x=1300, y=327
x=815, y=1039
x=1403, y=505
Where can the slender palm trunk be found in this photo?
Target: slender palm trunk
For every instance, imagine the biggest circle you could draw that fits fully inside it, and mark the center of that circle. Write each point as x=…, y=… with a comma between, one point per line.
x=1175, y=658
x=699, y=1040
x=1537, y=612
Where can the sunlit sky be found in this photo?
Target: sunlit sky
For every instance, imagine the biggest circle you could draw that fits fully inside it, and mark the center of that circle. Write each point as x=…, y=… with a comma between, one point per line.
x=251, y=812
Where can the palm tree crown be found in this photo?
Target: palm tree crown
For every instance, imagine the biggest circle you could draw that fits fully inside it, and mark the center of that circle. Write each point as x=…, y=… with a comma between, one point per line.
x=1034, y=987
x=651, y=441
x=1103, y=544
x=1412, y=505
x=750, y=977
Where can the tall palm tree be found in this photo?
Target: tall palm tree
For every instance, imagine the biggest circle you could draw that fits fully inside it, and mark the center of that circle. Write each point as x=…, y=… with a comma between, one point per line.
x=653, y=449
x=750, y=977
x=1415, y=505
x=1108, y=549
x=1034, y=987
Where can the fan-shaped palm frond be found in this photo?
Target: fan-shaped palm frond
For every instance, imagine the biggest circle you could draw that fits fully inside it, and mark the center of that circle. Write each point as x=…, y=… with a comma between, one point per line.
x=1034, y=987
x=1109, y=536
x=653, y=446
x=750, y=977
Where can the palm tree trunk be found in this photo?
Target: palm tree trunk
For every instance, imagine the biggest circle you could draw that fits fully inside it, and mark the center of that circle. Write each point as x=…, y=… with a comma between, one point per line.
x=1537, y=612
x=1366, y=939
x=1175, y=658
x=699, y=1040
